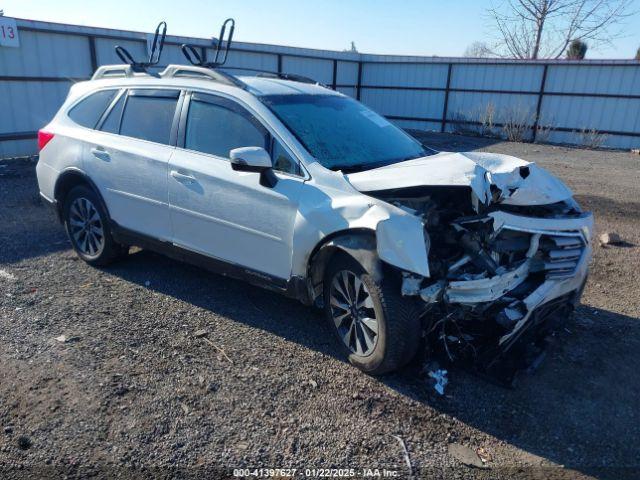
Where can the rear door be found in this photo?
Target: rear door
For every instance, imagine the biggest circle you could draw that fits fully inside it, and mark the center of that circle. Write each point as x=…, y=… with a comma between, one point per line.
x=128, y=157
x=227, y=214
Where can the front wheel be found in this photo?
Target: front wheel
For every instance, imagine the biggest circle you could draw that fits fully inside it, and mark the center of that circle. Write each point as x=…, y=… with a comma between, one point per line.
x=377, y=328
x=87, y=226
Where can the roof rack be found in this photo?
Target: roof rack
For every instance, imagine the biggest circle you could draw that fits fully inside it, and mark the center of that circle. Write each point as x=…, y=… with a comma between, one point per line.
x=154, y=55
x=194, y=57
x=170, y=71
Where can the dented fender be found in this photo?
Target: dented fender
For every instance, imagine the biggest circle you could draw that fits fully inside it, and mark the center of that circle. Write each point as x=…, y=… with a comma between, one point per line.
x=402, y=242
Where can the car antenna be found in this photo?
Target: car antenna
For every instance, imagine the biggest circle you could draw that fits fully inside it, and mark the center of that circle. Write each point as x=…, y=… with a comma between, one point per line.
x=154, y=55
x=221, y=54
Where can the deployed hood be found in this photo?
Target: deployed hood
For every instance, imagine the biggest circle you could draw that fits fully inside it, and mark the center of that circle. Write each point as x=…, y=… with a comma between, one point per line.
x=493, y=177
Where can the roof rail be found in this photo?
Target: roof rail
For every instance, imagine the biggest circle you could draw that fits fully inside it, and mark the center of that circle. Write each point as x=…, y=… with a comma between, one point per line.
x=107, y=71
x=173, y=71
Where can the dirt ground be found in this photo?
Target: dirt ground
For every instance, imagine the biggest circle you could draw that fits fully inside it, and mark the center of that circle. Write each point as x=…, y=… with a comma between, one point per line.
x=134, y=392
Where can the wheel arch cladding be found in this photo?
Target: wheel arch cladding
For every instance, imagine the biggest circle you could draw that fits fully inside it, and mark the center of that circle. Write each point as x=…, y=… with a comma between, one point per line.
x=69, y=179
x=360, y=244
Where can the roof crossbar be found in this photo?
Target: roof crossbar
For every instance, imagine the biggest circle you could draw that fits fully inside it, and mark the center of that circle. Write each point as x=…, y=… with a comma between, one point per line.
x=192, y=55
x=154, y=55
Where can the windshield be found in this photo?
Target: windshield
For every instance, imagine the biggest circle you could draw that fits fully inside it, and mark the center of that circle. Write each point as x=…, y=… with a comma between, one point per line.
x=343, y=134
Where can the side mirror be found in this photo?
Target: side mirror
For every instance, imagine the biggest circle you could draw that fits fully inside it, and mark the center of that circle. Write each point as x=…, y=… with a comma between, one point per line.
x=254, y=159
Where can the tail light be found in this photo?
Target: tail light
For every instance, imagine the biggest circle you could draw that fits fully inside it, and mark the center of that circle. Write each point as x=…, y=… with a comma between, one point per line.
x=43, y=139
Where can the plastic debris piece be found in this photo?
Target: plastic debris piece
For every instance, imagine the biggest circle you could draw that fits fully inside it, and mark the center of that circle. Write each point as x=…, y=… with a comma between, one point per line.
x=440, y=377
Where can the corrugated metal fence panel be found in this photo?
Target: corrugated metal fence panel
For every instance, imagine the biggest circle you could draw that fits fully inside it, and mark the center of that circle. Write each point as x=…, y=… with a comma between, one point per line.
x=320, y=70
x=18, y=148
x=620, y=80
x=347, y=73
x=47, y=55
x=27, y=107
x=410, y=103
x=585, y=113
x=473, y=105
x=497, y=77
x=249, y=60
x=405, y=75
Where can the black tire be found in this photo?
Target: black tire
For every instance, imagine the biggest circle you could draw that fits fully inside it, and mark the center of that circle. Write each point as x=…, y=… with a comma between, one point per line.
x=106, y=250
x=398, y=320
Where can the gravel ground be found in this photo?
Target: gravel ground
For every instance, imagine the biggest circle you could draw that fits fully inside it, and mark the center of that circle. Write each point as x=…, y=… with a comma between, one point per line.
x=134, y=391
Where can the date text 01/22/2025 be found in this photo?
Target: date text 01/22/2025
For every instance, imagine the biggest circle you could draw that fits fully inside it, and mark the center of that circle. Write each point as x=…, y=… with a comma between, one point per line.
x=315, y=472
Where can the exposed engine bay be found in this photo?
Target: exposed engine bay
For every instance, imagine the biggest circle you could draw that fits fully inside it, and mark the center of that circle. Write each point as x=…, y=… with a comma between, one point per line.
x=492, y=268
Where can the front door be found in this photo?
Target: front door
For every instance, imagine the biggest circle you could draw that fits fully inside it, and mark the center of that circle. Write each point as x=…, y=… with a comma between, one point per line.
x=224, y=213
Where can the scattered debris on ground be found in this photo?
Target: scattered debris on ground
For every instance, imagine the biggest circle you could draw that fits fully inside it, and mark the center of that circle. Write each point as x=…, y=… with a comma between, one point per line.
x=439, y=380
x=609, y=238
x=465, y=455
x=200, y=333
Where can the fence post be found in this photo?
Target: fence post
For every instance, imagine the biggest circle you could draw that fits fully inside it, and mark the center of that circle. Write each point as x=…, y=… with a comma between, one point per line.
x=279, y=63
x=359, y=84
x=446, y=99
x=92, y=52
x=539, y=106
x=335, y=74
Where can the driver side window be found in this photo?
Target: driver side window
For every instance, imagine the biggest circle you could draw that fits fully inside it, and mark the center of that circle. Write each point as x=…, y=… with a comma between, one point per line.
x=216, y=125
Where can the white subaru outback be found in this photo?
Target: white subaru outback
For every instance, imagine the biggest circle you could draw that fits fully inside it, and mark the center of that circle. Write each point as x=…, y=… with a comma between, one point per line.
x=295, y=187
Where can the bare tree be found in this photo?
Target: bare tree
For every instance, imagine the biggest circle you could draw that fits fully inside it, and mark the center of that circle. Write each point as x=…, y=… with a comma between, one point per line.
x=638, y=54
x=577, y=50
x=479, y=50
x=544, y=28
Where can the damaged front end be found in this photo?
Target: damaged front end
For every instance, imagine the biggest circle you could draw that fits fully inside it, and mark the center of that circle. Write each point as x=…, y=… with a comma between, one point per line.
x=498, y=274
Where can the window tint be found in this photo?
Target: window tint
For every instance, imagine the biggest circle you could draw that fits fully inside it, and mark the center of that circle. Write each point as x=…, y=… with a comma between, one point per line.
x=88, y=111
x=282, y=161
x=112, y=122
x=217, y=129
x=149, y=117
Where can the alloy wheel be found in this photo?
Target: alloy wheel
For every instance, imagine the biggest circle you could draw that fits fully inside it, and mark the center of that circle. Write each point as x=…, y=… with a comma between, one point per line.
x=353, y=313
x=86, y=227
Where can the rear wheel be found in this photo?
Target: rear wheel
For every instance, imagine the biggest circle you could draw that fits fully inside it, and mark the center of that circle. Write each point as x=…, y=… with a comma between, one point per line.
x=376, y=327
x=87, y=226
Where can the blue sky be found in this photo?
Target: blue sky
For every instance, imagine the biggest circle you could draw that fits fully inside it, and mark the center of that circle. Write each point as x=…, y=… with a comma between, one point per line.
x=420, y=27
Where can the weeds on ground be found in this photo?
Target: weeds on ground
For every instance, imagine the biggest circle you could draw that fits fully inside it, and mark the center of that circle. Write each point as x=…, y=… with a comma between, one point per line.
x=591, y=138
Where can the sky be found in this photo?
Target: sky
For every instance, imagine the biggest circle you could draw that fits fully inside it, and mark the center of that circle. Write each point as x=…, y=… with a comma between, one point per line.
x=412, y=27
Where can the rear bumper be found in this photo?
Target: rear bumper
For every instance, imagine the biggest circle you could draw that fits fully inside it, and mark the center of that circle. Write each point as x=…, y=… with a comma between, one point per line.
x=52, y=204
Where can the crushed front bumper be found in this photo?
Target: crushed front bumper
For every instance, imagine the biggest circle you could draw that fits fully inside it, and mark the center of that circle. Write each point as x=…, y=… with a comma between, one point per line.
x=493, y=312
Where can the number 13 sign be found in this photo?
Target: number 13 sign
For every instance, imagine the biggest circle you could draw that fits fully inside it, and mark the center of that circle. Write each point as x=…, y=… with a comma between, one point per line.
x=8, y=32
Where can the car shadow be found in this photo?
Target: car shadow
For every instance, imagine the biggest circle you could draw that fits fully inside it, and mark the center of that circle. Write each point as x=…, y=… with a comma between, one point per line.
x=578, y=410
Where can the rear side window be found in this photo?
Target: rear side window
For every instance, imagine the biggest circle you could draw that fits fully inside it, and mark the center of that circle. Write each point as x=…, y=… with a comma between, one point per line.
x=148, y=115
x=88, y=111
x=216, y=126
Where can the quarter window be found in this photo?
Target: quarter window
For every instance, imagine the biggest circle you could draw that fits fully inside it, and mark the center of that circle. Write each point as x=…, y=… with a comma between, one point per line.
x=282, y=161
x=149, y=115
x=217, y=126
x=112, y=122
x=88, y=111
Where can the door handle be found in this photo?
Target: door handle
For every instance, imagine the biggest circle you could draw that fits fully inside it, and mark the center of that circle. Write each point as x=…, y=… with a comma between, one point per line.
x=101, y=154
x=181, y=177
